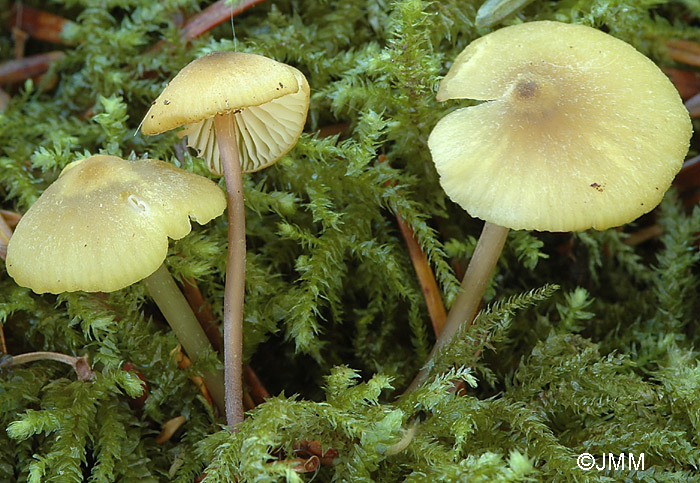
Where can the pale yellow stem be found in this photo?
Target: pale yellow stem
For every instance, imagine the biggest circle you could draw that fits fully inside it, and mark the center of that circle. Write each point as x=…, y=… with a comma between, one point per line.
x=182, y=321
x=476, y=279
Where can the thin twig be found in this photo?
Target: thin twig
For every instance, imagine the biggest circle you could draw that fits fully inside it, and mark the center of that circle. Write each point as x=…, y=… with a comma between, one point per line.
x=685, y=51
x=424, y=272
x=258, y=392
x=19, y=70
x=426, y=277
x=80, y=365
x=12, y=217
x=202, y=310
x=40, y=24
x=212, y=16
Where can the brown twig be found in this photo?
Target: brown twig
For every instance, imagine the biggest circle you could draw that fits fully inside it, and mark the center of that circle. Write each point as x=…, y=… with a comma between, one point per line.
x=202, y=310
x=80, y=365
x=257, y=391
x=11, y=218
x=212, y=16
x=39, y=24
x=19, y=70
x=685, y=51
x=424, y=272
x=426, y=277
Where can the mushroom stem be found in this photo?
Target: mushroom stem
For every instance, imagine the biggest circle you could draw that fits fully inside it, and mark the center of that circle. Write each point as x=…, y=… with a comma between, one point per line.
x=481, y=266
x=182, y=321
x=235, y=271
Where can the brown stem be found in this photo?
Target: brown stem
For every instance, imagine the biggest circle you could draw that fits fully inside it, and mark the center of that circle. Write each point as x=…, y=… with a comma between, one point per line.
x=234, y=290
x=479, y=272
x=79, y=364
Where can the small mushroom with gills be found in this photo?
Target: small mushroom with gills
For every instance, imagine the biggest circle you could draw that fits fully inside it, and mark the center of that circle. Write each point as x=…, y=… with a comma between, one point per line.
x=578, y=130
x=104, y=224
x=241, y=112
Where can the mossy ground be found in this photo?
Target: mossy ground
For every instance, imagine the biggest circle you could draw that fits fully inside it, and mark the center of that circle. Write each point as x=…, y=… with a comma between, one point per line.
x=336, y=325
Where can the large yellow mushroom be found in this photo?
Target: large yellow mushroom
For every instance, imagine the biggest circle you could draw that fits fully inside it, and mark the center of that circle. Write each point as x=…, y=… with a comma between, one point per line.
x=578, y=130
x=104, y=224
x=241, y=112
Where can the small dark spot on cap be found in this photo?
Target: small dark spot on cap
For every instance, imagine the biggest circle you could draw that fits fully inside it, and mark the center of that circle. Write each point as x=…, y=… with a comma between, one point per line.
x=153, y=103
x=656, y=188
x=527, y=89
x=281, y=86
x=597, y=187
x=85, y=245
x=166, y=102
x=151, y=116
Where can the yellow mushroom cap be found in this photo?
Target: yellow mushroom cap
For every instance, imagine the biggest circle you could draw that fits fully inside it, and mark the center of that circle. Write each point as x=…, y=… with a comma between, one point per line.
x=104, y=224
x=579, y=129
x=269, y=101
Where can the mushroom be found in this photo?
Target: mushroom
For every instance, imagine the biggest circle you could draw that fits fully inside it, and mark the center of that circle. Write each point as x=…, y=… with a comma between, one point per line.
x=241, y=112
x=579, y=130
x=104, y=224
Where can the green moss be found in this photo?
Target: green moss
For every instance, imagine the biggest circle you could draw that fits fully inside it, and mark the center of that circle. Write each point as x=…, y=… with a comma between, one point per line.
x=335, y=321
